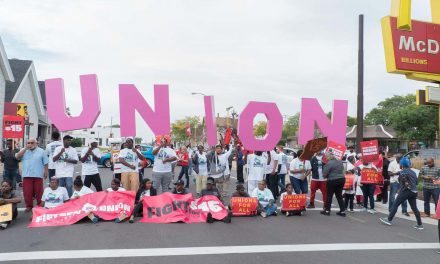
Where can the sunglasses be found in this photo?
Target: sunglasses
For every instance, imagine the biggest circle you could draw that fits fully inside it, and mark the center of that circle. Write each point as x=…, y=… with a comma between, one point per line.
x=32, y=142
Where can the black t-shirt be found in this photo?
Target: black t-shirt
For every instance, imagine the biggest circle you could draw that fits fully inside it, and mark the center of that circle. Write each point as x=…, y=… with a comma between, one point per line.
x=8, y=158
x=14, y=206
x=214, y=192
x=184, y=191
x=237, y=194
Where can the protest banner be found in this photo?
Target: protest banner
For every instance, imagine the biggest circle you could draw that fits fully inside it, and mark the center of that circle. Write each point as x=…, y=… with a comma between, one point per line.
x=437, y=212
x=6, y=213
x=244, y=206
x=312, y=147
x=370, y=150
x=171, y=208
x=336, y=149
x=13, y=126
x=371, y=176
x=349, y=181
x=294, y=202
x=105, y=205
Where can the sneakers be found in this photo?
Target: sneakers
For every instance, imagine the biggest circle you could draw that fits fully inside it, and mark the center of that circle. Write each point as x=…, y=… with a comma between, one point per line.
x=310, y=206
x=372, y=211
x=406, y=214
x=327, y=213
x=95, y=220
x=3, y=226
x=287, y=213
x=275, y=213
x=263, y=214
x=438, y=251
x=341, y=214
x=419, y=227
x=209, y=219
x=228, y=218
x=385, y=221
x=364, y=209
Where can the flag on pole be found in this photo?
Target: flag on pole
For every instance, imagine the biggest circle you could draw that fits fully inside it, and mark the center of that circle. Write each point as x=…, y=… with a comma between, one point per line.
x=188, y=130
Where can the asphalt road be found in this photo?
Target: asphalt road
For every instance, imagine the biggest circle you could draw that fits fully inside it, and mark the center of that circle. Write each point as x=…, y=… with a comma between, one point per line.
x=312, y=238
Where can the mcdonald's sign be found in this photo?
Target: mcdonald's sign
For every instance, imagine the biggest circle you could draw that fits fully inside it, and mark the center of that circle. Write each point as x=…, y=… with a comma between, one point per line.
x=412, y=47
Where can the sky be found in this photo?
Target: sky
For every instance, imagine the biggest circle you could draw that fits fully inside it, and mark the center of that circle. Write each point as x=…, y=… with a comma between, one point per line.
x=237, y=50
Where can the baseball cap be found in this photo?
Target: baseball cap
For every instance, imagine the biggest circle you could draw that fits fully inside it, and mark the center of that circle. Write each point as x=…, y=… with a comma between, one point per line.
x=67, y=137
x=210, y=181
x=93, y=141
x=179, y=182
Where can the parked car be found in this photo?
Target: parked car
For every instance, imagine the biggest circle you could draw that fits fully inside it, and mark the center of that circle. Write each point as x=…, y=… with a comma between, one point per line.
x=146, y=150
x=419, y=157
x=106, y=160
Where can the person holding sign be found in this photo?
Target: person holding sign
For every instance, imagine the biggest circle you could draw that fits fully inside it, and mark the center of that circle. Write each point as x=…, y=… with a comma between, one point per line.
x=285, y=197
x=162, y=168
x=10, y=169
x=8, y=197
x=89, y=169
x=145, y=190
x=408, y=191
x=351, y=179
x=65, y=158
x=79, y=190
x=368, y=187
x=256, y=164
x=333, y=172
x=54, y=195
x=299, y=170
x=266, y=202
x=129, y=158
x=200, y=166
x=318, y=181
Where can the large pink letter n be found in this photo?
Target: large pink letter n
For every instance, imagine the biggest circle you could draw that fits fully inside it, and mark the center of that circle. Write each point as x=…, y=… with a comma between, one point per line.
x=334, y=129
x=56, y=104
x=131, y=100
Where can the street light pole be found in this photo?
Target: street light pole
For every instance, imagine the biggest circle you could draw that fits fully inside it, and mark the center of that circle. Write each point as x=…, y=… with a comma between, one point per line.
x=360, y=95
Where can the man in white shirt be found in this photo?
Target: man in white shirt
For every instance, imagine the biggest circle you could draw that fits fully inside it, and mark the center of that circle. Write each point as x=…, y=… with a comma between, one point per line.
x=299, y=170
x=65, y=158
x=256, y=165
x=219, y=171
x=271, y=171
x=393, y=173
x=50, y=150
x=162, y=168
x=318, y=181
x=129, y=158
x=54, y=195
x=283, y=167
x=90, y=158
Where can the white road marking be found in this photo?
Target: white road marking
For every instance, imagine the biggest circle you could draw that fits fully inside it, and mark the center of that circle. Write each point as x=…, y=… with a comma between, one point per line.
x=195, y=251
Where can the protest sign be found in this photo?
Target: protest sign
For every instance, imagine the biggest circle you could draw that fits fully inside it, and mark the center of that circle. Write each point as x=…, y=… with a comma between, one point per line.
x=336, y=149
x=371, y=176
x=244, y=206
x=312, y=147
x=6, y=213
x=370, y=150
x=349, y=181
x=13, y=126
x=294, y=202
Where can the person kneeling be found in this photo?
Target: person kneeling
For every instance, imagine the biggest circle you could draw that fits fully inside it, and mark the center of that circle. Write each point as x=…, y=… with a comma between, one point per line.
x=80, y=190
x=211, y=190
x=54, y=195
x=7, y=196
x=266, y=201
x=146, y=189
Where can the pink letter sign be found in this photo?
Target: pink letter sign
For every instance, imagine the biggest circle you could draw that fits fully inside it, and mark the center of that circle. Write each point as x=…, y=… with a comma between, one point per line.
x=131, y=100
x=246, y=126
x=334, y=129
x=56, y=104
x=211, y=131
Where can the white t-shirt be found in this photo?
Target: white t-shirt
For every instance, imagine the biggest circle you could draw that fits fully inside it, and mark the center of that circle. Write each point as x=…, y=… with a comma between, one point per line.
x=320, y=165
x=263, y=196
x=50, y=150
x=224, y=158
x=282, y=160
x=296, y=164
x=163, y=154
x=65, y=169
x=131, y=158
x=203, y=163
x=282, y=197
x=273, y=157
x=54, y=198
x=90, y=167
x=393, y=168
x=119, y=190
x=257, y=167
x=146, y=193
x=84, y=190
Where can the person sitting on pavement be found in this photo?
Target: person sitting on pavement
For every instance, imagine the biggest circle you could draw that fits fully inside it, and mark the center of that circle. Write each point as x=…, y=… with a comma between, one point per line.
x=145, y=190
x=54, y=195
x=180, y=189
x=240, y=191
x=266, y=201
x=289, y=191
x=8, y=196
x=79, y=190
x=211, y=189
x=115, y=186
x=408, y=191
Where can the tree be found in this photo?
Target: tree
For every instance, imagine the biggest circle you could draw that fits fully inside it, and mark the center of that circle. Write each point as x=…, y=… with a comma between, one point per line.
x=351, y=121
x=380, y=115
x=178, y=128
x=260, y=129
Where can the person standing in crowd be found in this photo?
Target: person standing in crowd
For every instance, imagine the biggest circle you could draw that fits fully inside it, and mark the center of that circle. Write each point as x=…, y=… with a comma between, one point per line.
x=383, y=196
x=141, y=164
x=271, y=171
x=283, y=167
x=368, y=188
x=190, y=163
x=65, y=158
x=90, y=158
x=50, y=150
x=299, y=170
x=334, y=173
x=8, y=196
x=408, y=191
x=318, y=181
x=200, y=166
x=145, y=190
x=393, y=173
x=266, y=202
x=350, y=192
x=179, y=188
x=228, y=155
x=438, y=214
x=162, y=168
x=219, y=168
x=430, y=174
x=256, y=164
x=183, y=161
x=351, y=152
x=79, y=190
x=115, y=186
x=54, y=195
x=10, y=169
x=34, y=169
x=129, y=158
x=240, y=163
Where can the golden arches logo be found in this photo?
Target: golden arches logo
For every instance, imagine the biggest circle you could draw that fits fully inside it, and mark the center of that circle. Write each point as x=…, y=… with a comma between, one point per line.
x=402, y=10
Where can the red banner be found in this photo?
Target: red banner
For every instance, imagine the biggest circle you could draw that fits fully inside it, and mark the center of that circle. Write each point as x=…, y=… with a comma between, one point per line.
x=371, y=176
x=338, y=150
x=370, y=150
x=171, y=208
x=13, y=126
x=437, y=212
x=294, y=202
x=105, y=205
x=244, y=206
x=349, y=181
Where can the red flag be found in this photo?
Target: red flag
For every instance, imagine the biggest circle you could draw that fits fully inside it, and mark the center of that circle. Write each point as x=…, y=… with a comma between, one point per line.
x=188, y=130
x=228, y=136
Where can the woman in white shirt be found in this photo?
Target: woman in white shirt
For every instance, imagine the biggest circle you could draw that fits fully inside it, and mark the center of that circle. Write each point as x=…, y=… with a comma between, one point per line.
x=145, y=190
x=115, y=186
x=79, y=190
x=54, y=195
x=266, y=201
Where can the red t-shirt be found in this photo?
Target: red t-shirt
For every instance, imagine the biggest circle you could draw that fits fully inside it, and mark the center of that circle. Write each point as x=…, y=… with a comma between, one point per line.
x=184, y=159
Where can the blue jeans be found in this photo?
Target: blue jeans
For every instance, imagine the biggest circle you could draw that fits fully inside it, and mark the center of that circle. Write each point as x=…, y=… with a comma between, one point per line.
x=368, y=191
x=11, y=175
x=282, y=182
x=427, y=194
x=394, y=187
x=67, y=182
x=190, y=166
x=270, y=210
x=299, y=186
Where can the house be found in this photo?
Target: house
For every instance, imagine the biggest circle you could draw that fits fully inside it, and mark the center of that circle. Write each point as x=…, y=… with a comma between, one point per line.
x=386, y=136
x=22, y=87
x=100, y=133
x=5, y=76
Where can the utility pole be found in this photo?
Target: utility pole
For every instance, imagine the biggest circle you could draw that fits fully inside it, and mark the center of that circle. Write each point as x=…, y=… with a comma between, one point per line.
x=360, y=95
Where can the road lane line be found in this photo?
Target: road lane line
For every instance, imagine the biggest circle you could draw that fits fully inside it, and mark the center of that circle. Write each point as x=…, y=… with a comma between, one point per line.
x=195, y=251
